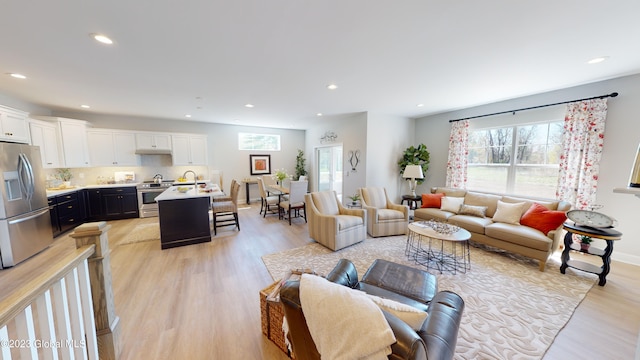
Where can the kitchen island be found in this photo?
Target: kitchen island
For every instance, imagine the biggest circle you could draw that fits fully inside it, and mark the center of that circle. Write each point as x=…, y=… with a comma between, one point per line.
x=184, y=215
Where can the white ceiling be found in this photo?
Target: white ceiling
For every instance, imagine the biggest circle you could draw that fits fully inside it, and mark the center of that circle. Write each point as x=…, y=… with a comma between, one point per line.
x=209, y=58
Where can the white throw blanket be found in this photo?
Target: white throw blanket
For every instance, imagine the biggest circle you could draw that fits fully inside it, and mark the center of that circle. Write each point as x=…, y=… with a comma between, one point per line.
x=344, y=323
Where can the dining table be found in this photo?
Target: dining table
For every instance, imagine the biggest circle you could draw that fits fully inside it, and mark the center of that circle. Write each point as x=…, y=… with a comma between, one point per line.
x=278, y=190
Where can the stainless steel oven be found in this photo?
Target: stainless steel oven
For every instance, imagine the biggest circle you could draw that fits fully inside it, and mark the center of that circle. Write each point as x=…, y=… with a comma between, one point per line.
x=147, y=193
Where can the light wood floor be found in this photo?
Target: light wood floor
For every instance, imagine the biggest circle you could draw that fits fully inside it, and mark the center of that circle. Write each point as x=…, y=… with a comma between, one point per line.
x=202, y=301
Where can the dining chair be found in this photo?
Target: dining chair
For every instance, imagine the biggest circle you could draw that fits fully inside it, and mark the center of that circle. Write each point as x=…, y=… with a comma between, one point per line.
x=267, y=202
x=297, y=189
x=225, y=213
x=268, y=180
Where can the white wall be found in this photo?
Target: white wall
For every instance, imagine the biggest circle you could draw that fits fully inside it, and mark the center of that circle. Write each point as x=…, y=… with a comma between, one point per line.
x=621, y=142
x=387, y=138
x=352, y=134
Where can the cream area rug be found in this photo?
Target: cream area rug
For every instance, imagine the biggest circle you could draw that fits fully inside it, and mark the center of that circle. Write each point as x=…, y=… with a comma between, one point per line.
x=142, y=232
x=513, y=311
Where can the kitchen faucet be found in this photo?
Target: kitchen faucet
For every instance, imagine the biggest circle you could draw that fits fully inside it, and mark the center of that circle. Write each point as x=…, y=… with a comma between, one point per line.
x=195, y=177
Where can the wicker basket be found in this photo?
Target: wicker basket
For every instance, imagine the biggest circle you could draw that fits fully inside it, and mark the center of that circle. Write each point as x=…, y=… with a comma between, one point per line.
x=271, y=314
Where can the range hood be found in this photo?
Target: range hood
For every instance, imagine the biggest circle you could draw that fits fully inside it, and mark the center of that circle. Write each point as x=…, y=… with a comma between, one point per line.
x=153, y=151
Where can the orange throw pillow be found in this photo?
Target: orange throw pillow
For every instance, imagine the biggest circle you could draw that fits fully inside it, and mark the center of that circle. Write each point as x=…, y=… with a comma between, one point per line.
x=432, y=200
x=543, y=219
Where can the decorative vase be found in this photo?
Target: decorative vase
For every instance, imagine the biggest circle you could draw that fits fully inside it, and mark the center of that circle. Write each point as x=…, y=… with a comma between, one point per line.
x=584, y=247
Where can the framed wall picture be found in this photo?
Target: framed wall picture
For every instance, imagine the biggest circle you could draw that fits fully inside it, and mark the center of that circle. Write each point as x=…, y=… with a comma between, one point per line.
x=260, y=164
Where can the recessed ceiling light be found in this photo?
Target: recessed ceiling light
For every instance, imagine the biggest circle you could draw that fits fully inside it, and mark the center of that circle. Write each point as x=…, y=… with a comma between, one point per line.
x=17, y=76
x=102, y=38
x=420, y=105
x=188, y=116
x=597, y=60
x=332, y=86
x=319, y=114
x=248, y=105
x=85, y=106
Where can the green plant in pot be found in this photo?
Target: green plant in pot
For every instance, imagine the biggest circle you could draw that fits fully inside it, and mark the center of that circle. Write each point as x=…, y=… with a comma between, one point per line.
x=354, y=198
x=415, y=156
x=300, y=164
x=64, y=175
x=585, y=242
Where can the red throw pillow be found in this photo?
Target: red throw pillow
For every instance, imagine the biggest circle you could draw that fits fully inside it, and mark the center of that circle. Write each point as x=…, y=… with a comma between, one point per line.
x=432, y=200
x=543, y=219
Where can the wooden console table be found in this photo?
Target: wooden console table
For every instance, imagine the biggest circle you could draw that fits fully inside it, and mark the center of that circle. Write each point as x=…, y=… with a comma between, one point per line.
x=607, y=234
x=248, y=182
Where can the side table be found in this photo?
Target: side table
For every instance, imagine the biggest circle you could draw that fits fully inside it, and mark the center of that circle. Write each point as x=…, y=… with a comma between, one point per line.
x=411, y=200
x=353, y=205
x=607, y=234
x=248, y=182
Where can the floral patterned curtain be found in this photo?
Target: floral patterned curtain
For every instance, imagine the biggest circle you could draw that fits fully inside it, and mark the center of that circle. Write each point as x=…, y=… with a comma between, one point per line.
x=582, y=143
x=458, y=151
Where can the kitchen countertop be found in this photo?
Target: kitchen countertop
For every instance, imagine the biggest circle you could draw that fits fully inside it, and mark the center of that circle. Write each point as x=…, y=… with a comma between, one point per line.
x=51, y=193
x=172, y=193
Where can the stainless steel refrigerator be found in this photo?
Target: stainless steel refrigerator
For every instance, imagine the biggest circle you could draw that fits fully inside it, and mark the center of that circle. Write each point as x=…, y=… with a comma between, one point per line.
x=25, y=224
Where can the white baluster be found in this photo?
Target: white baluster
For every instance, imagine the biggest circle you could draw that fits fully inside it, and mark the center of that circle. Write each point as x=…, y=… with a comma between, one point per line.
x=5, y=350
x=47, y=325
x=63, y=325
x=75, y=315
x=26, y=334
x=87, y=307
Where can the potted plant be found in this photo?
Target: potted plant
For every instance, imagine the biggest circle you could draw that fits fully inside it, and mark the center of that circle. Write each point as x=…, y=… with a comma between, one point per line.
x=354, y=198
x=65, y=176
x=585, y=242
x=415, y=156
x=300, y=165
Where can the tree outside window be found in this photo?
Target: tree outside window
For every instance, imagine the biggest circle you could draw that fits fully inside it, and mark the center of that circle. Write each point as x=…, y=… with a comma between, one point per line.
x=524, y=164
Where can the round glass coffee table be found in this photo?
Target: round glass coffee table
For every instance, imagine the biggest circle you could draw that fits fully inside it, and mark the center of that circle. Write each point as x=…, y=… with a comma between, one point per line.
x=437, y=245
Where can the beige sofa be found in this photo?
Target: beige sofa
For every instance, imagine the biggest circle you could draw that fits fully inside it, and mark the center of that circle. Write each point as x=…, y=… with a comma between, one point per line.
x=513, y=237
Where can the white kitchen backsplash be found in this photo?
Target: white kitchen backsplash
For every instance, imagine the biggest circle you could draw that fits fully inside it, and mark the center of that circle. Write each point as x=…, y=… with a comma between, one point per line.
x=90, y=175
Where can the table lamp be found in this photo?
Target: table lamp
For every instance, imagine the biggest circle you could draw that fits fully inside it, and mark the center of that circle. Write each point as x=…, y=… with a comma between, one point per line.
x=412, y=172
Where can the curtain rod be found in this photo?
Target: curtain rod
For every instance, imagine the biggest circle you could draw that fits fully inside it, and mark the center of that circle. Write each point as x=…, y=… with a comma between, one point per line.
x=613, y=94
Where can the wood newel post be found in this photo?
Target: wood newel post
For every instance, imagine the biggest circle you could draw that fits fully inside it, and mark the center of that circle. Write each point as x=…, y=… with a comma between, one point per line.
x=107, y=323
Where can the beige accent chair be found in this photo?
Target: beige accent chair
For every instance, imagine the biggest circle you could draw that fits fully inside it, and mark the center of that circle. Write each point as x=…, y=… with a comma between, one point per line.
x=384, y=218
x=333, y=225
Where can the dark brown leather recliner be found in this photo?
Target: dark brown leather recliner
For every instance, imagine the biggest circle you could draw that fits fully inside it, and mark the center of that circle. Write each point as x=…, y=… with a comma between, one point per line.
x=436, y=340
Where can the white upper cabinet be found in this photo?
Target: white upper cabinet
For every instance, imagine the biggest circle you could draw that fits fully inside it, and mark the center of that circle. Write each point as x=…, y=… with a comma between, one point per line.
x=189, y=149
x=72, y=140
x=151, y=143
x=74, y=143
x=44, y=135
x=112, y=147
x=13, y=125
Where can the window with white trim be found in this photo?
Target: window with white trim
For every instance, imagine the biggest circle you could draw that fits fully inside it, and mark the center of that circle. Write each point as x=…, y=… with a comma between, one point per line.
x=249, y=141
x=520, y=159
